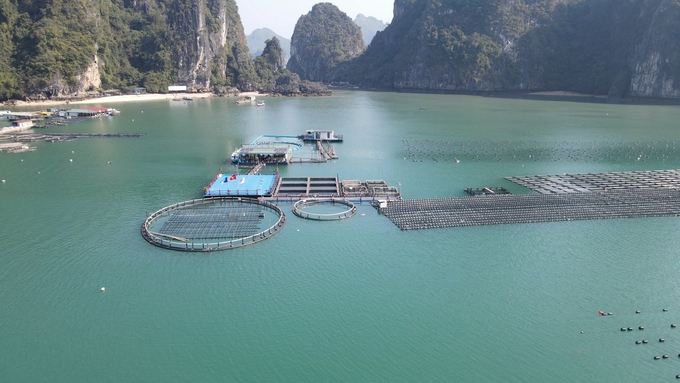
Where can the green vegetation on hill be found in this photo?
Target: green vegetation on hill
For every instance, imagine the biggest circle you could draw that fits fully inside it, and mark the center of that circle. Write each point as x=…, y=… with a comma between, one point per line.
x=46, y=45
x=53, y=48
x=271, y=63
x=322, y=39
x=596, y=46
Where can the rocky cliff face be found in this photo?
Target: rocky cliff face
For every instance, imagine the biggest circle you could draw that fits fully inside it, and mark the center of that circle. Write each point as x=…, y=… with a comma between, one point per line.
x=62, y=48
x=55, y=48
x=271, y=63
x=60, y=87
x=602, y=47
x=655, y=60
x=322, y=39
x=211, y=38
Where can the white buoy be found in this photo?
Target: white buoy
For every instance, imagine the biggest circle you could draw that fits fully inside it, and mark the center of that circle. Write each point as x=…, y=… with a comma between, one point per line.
x=109, y=161
x=298, y=229
x=103, y=289
x=70, y=160
x=73, y=151
x=3, y=181
x=22, y=160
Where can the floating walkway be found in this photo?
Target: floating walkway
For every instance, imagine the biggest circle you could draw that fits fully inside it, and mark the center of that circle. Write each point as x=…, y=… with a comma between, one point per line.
x=327, y=154
x=531, y=208
x=32, y=137
x=593, y=182
x=299, y=188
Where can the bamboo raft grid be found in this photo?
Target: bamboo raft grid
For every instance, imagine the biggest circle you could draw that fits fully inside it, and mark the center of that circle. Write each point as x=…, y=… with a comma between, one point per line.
x=592, y=182
x=531, y=208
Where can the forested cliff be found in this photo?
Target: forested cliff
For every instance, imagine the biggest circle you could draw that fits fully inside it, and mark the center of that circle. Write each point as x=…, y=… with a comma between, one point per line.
x=620, y=48
x=52, y=48
x=322, y=39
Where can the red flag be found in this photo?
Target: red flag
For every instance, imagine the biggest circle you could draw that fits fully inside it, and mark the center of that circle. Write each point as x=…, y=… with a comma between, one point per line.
x=233, y=177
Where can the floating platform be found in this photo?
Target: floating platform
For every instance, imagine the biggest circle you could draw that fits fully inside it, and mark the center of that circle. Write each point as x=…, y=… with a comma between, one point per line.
x=240, y=185
x=594, y=182
x=272, y=187
x=531, y=208
x=308, y=186
x=298, y=188
x=321, y=135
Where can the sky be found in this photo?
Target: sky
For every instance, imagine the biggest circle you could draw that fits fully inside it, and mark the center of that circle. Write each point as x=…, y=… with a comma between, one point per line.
x=281, y=15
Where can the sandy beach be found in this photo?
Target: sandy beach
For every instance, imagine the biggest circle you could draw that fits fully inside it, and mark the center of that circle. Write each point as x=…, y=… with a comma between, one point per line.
x=126, y=98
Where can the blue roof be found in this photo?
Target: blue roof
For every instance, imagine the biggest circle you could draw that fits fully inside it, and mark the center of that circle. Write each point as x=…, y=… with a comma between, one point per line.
x=242, y=185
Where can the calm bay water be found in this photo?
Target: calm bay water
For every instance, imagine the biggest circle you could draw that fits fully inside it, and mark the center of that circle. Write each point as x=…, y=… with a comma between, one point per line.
x=357, y=300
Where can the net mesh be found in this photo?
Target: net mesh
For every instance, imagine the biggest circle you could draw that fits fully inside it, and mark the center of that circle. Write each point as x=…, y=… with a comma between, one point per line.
x=213, y=222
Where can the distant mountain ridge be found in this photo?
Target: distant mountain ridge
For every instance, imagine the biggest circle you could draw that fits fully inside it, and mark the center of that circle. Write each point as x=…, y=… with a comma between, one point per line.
x=257, y=38
x=369, y=27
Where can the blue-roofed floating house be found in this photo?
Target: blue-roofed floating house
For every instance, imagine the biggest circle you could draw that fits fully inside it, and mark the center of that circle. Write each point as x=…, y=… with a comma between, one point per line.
x=241, y=185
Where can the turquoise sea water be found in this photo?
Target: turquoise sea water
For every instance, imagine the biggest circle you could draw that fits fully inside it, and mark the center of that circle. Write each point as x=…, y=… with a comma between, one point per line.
x=353, y=300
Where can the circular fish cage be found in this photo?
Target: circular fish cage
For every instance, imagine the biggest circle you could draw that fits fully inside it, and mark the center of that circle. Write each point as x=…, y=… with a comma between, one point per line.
x=212, y=224
x=304, y=209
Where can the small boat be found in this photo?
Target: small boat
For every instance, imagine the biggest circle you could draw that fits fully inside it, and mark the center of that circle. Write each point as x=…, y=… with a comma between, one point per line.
x=234, y=156
x=187, y=98
x=260, y=103
x=422, y=108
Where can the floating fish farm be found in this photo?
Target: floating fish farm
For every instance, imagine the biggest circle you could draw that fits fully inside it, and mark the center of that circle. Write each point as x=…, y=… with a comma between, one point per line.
x=433, y=213
x=592, y=182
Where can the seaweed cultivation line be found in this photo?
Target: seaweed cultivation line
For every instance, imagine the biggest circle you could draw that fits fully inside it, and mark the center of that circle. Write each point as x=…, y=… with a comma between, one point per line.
x=534, y=151
x=531, y=208
x=575, y=183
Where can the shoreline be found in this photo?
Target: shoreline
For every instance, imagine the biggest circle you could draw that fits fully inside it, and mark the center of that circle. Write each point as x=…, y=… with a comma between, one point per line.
x=527, y=95
x=538, y=96
x=125, y=98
